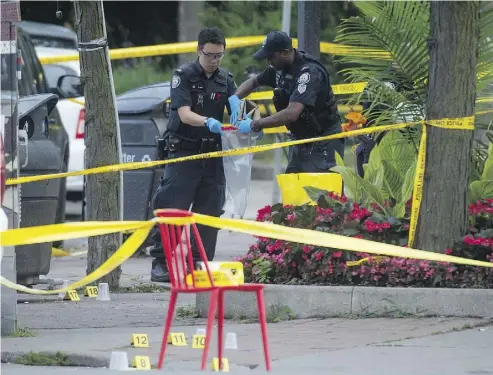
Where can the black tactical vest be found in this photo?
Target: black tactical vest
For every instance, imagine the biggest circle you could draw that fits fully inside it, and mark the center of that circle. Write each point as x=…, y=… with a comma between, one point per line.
x=313, y=121
x=209, y=98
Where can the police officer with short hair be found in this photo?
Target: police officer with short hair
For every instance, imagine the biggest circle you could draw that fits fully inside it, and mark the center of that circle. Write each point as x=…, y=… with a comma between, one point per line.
x=200, y=91
x=304, y=101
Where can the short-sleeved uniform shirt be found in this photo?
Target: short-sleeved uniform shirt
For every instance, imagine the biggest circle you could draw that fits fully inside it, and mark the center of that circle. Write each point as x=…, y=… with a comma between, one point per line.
x=304, y=86
x=181, y=89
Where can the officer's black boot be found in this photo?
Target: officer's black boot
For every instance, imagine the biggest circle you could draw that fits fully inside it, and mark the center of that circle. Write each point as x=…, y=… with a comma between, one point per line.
x=159, y=272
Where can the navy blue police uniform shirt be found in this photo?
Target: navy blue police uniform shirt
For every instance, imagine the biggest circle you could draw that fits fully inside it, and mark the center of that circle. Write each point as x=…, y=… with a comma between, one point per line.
x=181, y=88
x=308, y=84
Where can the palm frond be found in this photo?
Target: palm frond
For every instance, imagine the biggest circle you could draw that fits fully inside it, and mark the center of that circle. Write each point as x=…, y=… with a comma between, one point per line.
x=402, y=30
x=485, y=60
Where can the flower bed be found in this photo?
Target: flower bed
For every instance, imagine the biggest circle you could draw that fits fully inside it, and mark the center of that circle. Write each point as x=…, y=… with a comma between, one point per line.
x=280, y=262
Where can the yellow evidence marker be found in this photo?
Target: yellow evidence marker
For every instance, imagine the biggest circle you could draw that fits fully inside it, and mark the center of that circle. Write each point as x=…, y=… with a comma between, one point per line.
x=91, y=291
x=140, y=340
x=177, y=339
x=71, y=295
x=198, y=342
x=141, y=362
x=215, y=364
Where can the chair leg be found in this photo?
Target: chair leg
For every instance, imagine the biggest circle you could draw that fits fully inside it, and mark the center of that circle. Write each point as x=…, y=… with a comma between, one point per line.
x=220, y=326
x=167, y=327
x=210, y=322
x=262, y=316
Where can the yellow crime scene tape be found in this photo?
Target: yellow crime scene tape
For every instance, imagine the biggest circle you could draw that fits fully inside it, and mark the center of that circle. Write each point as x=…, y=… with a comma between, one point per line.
x=48, y=233
x=232, y=43
x=465, y=123
x=340, y=89
x=215, y=154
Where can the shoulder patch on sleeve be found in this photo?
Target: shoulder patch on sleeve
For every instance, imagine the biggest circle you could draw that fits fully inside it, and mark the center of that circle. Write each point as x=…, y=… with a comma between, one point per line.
x=304, y=78
x=175, y=81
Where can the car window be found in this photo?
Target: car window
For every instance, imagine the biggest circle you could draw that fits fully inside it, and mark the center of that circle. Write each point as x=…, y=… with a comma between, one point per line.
x=53, y=72
x=25, y=83
x=45, y=41
x=38, y=72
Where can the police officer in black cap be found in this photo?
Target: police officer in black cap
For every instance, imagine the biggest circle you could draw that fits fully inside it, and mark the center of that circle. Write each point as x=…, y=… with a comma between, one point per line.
x=304, y=101
x=200, y=91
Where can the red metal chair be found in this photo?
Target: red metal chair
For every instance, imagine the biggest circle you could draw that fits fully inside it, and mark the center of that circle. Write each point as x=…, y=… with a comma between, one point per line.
x=174, y=252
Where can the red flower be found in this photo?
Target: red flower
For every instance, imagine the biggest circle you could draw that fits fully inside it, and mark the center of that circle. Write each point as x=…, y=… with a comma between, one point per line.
x=448, y=251
x=264, y=214
x=324, y=211
x=371, y=226
x=358, y=213
x=318, y=255
x=307, y=249
x=337, y=254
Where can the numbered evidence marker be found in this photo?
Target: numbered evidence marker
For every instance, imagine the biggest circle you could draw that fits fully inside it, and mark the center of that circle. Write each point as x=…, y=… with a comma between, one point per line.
x=140, y=340
x=177, y=339
x=91, y=291
x=215, y=364
x=141, y=362
x=71, y=295
x=198, y=342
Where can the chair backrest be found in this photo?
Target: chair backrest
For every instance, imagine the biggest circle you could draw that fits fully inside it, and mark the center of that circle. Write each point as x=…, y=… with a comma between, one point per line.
x=178, y=249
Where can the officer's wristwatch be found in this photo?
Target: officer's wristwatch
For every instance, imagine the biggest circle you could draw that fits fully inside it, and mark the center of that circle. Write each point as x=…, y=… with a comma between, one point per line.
x=205, y=121
x=254, y=126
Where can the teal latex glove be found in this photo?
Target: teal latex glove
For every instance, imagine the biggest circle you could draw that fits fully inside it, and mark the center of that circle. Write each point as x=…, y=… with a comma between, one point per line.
x=214, y=125
x=234, y=103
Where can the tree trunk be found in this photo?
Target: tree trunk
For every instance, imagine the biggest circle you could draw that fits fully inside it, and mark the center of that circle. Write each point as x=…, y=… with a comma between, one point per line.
x=102, y=136
x=453, y=49
x=189, y=25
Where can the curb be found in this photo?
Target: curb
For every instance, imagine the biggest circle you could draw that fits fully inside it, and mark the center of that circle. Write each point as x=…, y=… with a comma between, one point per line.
x=336, y=301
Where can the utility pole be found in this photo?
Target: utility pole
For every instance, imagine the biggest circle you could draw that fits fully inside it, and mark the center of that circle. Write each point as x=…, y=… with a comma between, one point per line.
x=286, y=27
x=309, y=27
x=104, y=192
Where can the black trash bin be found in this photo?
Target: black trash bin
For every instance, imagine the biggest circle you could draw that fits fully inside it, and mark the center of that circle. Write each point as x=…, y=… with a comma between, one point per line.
x=143, y=115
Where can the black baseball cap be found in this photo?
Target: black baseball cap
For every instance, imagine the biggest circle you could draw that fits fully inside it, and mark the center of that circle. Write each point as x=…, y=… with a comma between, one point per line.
x=276, y=41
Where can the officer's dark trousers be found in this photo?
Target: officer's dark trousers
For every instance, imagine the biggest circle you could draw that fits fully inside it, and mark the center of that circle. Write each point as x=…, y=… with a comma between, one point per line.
x=317, y=157
x=198, y=183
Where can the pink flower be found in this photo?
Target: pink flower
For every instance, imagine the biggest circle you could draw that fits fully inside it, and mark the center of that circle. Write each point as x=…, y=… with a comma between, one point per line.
x=337, y=254
x=291, y=217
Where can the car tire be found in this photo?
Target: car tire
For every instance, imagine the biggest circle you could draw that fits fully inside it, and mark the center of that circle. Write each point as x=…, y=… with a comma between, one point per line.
x=62, y=200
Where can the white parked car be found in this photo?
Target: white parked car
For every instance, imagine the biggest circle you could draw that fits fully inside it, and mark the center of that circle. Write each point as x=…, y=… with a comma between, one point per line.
x=71, y=110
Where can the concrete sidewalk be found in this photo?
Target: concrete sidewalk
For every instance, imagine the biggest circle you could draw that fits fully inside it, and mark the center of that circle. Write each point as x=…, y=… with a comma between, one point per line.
x=89, y=330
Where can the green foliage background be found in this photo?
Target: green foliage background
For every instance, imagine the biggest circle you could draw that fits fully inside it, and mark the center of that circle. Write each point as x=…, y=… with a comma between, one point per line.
x=245, y=18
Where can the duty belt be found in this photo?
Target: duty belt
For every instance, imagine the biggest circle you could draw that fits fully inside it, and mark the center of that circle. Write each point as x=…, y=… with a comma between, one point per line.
x=202, y=145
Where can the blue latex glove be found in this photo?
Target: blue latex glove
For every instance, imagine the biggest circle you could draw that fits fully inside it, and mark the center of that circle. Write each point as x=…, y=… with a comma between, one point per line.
x=234, y=103
x=244, y=125
x=214, y=125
